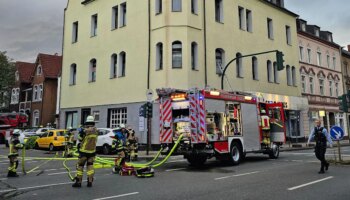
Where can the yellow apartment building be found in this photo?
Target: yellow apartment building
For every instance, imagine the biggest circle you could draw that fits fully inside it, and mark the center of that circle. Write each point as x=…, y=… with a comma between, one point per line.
x=114, y=51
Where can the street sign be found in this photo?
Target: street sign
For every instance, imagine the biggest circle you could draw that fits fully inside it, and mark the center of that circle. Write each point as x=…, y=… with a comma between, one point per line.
x=337, y=133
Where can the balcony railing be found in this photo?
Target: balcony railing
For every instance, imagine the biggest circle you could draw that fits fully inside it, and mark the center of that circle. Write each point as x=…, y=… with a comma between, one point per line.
x=25, y=105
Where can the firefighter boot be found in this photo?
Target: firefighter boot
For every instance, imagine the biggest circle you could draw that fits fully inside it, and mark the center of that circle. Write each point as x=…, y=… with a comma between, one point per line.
x=77, y=183
x=89, y=182
x=12, y=174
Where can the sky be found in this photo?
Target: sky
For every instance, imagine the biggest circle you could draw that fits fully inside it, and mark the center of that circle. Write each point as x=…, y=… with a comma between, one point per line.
x=29, y=27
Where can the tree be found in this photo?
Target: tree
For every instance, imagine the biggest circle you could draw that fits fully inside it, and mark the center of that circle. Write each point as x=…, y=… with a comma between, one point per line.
x=7, y=80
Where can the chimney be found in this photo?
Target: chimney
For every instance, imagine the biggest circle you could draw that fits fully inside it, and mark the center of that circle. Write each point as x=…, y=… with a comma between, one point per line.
x=349, y=47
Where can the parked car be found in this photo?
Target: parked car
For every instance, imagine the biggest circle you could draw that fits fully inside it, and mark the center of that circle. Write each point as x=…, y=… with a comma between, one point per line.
x=105, y=140
x=51, y=140
x=36, y=131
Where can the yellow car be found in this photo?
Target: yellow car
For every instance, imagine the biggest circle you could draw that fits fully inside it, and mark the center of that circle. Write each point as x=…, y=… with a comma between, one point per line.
x=51, y=139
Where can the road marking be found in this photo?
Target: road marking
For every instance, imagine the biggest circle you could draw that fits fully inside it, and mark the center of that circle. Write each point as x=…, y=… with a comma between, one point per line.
x=60, y=173
x=174, y=161
x=237, y=175
x=48, y=170
x=297, y=161
x=3, y=179
x=171, y=170
x=311, y=183
x=34, y=187
x=117, y=196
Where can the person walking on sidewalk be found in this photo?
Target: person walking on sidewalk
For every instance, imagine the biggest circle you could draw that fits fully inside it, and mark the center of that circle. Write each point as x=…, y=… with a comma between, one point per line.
x=321, y=136
x=87, y=152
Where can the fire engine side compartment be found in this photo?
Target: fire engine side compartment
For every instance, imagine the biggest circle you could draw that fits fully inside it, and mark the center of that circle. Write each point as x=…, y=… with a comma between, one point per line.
x=251, y=134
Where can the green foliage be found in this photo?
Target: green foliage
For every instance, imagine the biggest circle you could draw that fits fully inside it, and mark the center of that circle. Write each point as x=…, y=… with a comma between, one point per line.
x=7, y=78
x=30, y=144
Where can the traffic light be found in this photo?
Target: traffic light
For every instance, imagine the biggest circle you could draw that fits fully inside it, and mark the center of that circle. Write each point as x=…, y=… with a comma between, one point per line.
x=343, y=103
x=149, y=109
x=142, y=111
x=279, y=60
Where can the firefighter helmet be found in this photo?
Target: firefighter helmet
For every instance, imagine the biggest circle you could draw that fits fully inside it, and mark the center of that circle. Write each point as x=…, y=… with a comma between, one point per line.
x=16, y=133
x=263, y=112
x=122, y=126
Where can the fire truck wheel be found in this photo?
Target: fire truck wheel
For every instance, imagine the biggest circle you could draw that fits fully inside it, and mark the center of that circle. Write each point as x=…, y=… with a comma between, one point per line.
x=196, y=160
x=236, y=153
x=275, y=152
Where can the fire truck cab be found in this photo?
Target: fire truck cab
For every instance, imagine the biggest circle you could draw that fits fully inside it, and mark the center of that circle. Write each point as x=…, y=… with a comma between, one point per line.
x=221, y=124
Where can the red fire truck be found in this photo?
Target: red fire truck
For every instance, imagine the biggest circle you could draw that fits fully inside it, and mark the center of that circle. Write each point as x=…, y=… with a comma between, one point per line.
x=225, y=125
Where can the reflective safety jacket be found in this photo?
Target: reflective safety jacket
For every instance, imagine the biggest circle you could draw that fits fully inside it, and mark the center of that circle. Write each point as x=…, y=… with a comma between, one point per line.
x=89, y=140
x=14, y=146
x=265, y=122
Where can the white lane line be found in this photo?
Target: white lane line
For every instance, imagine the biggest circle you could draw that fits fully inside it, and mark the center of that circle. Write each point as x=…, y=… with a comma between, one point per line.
x=297, y=161
x=171, y=170
x=237, y=175
x=60, y=173
x=311, y=183
x=174, y=161
x=34, y=187
x=48, y=170
x=3, y=179
x=117, y=196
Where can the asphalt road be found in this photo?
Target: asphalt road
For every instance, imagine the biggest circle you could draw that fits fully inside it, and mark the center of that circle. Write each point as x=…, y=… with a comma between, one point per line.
x=292, y=176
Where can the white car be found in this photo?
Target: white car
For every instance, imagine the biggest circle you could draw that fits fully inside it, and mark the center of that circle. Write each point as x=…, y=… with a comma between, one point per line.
x=36, y=132
x=105, y=140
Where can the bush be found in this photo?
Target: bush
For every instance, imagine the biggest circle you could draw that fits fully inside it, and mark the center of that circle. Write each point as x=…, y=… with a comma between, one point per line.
x=30, y=144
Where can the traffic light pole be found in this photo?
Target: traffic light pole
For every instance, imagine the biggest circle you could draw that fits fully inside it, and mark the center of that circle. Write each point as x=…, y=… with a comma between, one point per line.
x=149, y=129
x=229, y=63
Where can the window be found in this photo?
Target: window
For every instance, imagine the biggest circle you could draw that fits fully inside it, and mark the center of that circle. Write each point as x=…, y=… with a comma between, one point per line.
x=122, y=14
x=328, y=61
x=194, y=6
x=117, y=117
x=113, y=69
x=330, y=88
x=219, y=60
x=321, y=81
x=334, y=62
x=39, y=70
x=269, y=72
x=288, y=35
x=311, y=84
x=17, y=76
x=239, y=65
x=96, y=115
x=269, y=28
x=319, y=58
x=336, y=85
x=71, y=119
x=92, y=70
x=122, y=64
x=194, y=56
x=75, y=32
x=159, y=56
x=15, y=96
x=301, y=53
x=255, y=68
x=294, y=76
x=275, y=73
x=35, y=93
x=249, y=21
x=159, y=6
x=36, y=116
x=219, y=11
x=93, y=25
x=73, y=74
x=317, y=32
x=176, y=5
x=289, y=75
x=177, y=54
x=309, y=56
x=241, y=18
x=303, y=83
x=114, y=17
x=40, y=92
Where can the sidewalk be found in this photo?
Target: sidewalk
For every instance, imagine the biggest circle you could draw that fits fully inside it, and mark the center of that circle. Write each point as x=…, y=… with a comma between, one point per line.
x=302, y=146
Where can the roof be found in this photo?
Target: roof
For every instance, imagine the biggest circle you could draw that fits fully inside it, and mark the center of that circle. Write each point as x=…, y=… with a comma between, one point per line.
x=51, y=64
x=346, y=53
x=25, y=71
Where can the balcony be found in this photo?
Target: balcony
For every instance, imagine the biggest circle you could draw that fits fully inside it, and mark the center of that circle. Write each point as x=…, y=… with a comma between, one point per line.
x=25, y=105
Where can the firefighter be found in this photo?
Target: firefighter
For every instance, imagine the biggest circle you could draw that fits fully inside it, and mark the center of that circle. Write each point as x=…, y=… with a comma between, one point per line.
x=265, y=126
x=132, y=144
x=321, y=136
x=69, y=142
x=14, y=146
x=87, y=151
x=120, y=146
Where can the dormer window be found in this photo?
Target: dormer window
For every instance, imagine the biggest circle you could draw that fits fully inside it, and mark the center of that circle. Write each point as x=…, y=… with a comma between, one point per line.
x=317, y=32
x=39, y=70
x=303, y=27
x=17, y=76
x=330, y=39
